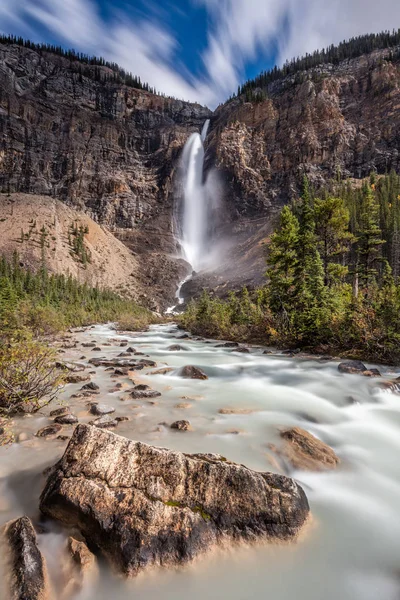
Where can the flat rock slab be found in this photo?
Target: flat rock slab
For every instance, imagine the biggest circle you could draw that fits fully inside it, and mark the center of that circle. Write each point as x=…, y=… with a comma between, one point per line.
x=27, y=569
x=142, y=505
x=304, y=451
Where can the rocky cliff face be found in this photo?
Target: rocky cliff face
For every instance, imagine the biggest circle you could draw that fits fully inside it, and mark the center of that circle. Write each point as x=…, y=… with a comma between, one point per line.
x=102, y=147
x=113, y=150
x=330, y=120
x=325, y=122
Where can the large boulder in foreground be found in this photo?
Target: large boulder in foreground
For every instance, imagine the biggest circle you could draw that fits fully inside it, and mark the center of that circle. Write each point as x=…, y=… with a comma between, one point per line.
x=27, y=577
x=142, y=505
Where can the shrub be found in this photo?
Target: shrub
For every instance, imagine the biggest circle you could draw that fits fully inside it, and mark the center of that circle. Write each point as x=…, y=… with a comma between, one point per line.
x=29, y=378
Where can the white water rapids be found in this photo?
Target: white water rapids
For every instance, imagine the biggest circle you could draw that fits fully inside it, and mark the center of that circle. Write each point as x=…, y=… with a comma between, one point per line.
x=352, y=549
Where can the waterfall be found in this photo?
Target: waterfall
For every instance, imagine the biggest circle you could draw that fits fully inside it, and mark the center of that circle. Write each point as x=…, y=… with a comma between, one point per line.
x=200, y=201
x=195, y=207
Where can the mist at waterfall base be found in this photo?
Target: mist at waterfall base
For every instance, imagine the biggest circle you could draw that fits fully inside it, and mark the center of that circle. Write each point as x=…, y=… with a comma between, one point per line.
x=201, y=203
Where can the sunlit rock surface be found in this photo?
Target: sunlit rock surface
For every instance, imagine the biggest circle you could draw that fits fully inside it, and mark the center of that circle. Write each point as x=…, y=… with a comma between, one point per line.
x=142, y=505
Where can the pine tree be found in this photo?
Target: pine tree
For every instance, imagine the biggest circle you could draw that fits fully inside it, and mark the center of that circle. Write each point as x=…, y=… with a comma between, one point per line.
x=331, y=226
x=369, y=243
x=282, y=263
x=309, y=289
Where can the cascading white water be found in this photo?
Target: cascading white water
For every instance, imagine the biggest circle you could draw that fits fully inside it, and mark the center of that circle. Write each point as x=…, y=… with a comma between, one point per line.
x=195, y=208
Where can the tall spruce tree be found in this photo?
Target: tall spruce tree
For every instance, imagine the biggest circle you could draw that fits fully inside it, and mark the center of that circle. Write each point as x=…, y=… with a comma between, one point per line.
x=282, y=263
x=309, y=289
x=332, y=230
x=369, y=239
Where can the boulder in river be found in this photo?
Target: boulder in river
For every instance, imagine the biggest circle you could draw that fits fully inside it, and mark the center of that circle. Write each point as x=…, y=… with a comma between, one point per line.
x=92, y=386
x=144, y=506
x=143, y=391
x=242, y=350
x=182, y=425
x=191, y=372
x=101, y=409
x=68, y=419
x=104, y=422
x=128, y=363
x=372, y=373
x=175, y=348
x=68, y=366
x=228, y=345
x=26, y=567
x=304, y=451
x=49, y=430
x=76, y=378
x=58, y=412
x=352, y=366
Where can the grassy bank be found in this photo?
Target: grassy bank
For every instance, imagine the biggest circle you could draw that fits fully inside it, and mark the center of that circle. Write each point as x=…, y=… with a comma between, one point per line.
x=33, y=308
x=46, y=303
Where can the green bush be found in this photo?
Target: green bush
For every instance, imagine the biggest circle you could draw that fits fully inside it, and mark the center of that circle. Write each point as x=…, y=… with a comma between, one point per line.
x=29, y=378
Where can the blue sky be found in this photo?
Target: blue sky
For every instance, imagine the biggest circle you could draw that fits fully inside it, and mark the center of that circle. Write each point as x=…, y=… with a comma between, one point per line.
x=198, y=50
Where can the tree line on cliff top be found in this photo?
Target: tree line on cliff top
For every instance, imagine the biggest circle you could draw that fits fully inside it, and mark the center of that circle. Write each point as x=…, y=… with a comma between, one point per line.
x=334, y=54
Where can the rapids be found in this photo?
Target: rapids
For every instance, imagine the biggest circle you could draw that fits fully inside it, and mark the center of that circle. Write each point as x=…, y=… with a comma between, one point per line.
x=352, y=549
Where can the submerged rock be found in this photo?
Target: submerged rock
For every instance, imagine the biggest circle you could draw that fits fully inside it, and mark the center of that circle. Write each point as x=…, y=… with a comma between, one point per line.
x=143, y=506
x=162, y=371
x=304, y=451
x=190, y=372
x=84, y=562
x=372, y=373
x=182, y=425
x=242, y=349
x=228, y=345
x=27, y=575
x=175, y=348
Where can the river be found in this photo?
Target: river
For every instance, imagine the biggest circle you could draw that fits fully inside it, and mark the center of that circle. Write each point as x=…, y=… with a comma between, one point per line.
x=352, y=549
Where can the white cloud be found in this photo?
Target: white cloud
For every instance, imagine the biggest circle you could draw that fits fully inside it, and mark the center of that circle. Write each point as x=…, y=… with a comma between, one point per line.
x=238, y=31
